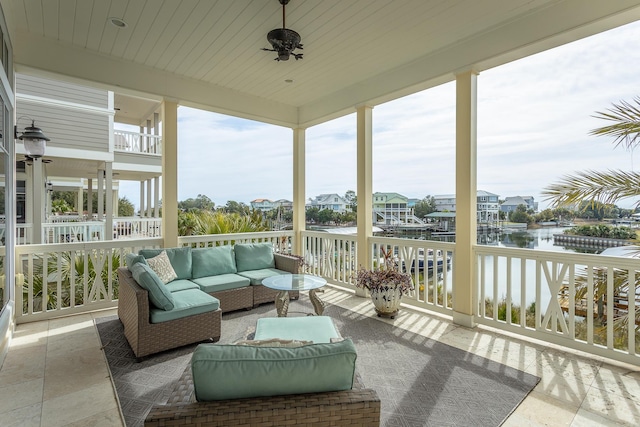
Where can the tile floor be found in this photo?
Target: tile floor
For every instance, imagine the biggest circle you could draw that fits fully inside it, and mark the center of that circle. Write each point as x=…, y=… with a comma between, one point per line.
x=55, y=373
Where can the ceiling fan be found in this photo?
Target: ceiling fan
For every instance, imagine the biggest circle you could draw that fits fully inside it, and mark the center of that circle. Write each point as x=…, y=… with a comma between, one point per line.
x=283, y=40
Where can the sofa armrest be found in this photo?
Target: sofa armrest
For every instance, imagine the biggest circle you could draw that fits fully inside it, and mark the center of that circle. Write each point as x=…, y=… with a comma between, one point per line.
x=287, y=263
x=133, y=306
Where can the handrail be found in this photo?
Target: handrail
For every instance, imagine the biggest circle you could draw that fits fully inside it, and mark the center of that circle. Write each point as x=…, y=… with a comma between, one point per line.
x=135, y=142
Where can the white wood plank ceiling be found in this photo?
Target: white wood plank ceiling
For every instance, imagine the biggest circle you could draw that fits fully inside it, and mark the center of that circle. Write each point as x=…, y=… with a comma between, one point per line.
x=207, y=53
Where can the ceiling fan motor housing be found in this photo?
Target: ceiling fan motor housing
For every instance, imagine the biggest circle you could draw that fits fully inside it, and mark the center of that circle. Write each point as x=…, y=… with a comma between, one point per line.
x=284, y=41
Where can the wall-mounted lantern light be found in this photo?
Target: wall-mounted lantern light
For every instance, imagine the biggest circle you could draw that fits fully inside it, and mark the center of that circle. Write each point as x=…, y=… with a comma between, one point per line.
x=34, y=140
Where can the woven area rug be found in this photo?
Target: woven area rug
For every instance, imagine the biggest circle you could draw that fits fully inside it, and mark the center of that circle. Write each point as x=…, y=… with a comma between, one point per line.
x=421, y=382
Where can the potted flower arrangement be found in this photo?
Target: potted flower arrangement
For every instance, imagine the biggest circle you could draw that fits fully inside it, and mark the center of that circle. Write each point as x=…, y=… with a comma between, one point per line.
x=386, y=285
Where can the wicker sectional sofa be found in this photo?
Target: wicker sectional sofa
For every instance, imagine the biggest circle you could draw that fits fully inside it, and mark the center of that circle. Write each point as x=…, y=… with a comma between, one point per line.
x=208, y=281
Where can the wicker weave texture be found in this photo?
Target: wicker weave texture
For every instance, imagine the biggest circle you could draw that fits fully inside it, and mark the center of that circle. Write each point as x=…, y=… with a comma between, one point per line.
x=235, y=299
x=147, y=338
x=356, y=407
x=262, y=294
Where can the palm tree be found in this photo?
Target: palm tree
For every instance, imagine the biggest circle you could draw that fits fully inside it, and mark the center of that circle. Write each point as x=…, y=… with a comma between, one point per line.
x=609, y=186
x=606, y=188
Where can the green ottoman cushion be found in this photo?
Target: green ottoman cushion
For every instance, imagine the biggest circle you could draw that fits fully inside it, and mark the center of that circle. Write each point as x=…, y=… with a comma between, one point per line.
x=236, y=371
x=319, y=329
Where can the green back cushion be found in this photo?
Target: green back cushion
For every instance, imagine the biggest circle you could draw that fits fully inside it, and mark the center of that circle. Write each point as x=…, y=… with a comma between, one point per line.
x=132, y=259
x=213, y=261
x=180, y=259
x=159, y=295
x=254, y=256
x=236, y=371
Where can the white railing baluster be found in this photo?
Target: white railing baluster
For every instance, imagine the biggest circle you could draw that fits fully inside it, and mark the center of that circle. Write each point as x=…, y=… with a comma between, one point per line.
x=551, y=281
x=134, y=142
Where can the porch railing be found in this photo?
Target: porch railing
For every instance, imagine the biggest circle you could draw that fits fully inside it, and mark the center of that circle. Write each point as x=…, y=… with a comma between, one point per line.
x=581, y=301
x=61, y=279
x=23, y=234
x=281, y=240
x=134, y=142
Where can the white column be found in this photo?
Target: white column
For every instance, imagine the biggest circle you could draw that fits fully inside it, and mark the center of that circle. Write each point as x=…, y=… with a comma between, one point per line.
x=116, y=202
x=28, y=199
x=149, y=193
x=80, y=199
x=364, y=187
x=108, y=224
x=142, y=211
x=90, y=198
x=100, y=194
x=156, y=197
x=170, y=173
x=147, y=139
x=466, y=198
x=299, y=184
x=37, y=189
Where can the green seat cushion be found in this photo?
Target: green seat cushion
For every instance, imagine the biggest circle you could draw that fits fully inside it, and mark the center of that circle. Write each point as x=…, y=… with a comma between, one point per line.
x=180, y=259
x=222, y=282
x=236, y=371
x=180, y=285
x=188, y=302
x=256, y=276
x=254, y=256
x=159, y=295
x=132, y=259
x=212, y=261
x=319, y=329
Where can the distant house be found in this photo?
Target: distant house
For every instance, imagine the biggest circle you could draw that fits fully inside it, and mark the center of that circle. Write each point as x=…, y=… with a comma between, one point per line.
x=510, y=204
x=393, y=208
x=445, y=202
x=333, y=202
x=487, y=205
x=263, y=205
x=286, y=205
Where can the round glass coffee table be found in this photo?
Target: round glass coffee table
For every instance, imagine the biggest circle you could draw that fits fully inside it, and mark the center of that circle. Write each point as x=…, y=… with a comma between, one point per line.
x=296, y=282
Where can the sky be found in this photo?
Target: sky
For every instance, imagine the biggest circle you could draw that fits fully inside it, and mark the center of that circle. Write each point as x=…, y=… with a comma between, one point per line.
x=534, y=118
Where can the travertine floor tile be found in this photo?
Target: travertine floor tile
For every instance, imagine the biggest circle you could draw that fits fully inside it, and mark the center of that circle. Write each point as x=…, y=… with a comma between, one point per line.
x=612, y=406
x=589, y=419
x=74, y=407
x=110, y=418
x=20, y=395
x=23, y=364
x=543, y=410
x=27, y=416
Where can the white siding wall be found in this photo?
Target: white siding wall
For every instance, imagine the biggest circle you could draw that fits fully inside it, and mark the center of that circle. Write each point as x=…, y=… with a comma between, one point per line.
x=74, y=116
x=61, y=91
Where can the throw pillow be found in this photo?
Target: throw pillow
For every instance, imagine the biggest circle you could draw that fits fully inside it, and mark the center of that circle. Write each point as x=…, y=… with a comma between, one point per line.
x=180, y=259
x=159, y=295
x=132, y=259
x=162, y=267
x=274, y=342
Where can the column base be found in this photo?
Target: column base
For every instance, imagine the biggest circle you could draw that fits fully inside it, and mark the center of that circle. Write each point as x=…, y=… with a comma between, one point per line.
x=463, y=319
x=360, y=292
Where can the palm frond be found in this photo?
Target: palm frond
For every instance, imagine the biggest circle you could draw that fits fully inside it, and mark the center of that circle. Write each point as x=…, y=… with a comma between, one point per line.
x=603, y=187
x=626, y=126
